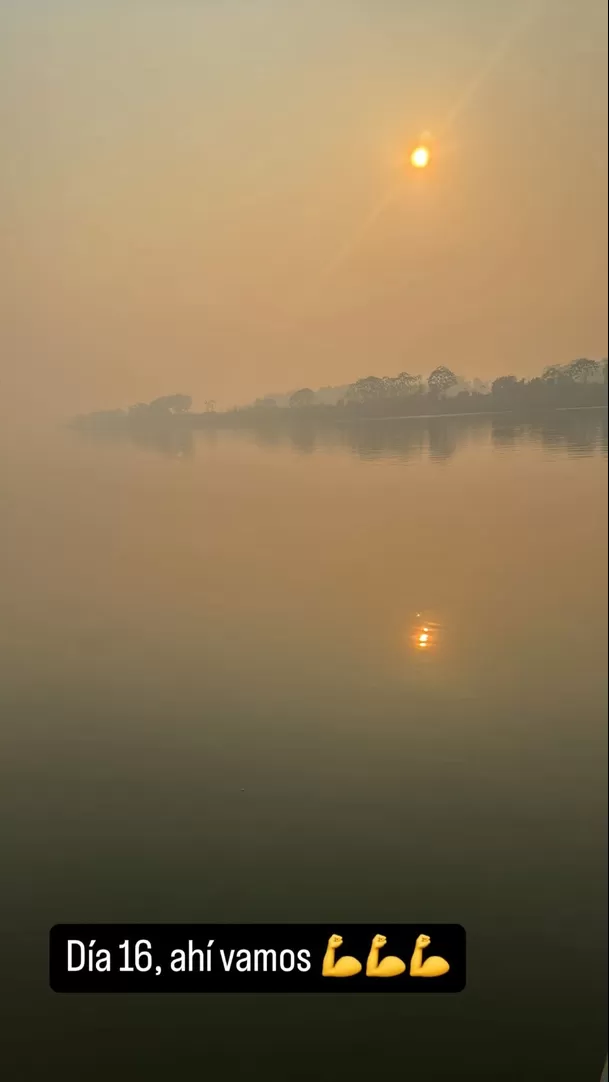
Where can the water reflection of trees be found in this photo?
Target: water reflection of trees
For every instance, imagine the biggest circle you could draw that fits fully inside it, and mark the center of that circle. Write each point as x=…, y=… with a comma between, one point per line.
x=303, y=439
x=438, y=439
x=172, y=441
x=577, y=432
x=377, y=439
x=444, y=439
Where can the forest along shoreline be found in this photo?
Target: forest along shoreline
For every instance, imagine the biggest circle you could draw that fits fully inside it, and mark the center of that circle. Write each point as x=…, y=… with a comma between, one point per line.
x=582, y=384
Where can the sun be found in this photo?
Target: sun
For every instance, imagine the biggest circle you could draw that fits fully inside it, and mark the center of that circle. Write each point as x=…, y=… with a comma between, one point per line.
x=420, y=157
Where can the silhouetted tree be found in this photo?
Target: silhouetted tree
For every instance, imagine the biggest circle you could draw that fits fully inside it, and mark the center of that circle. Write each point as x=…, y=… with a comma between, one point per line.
x=554, y=373
x=582, y=369
x=171, y=403
x=508, y=389
x=503, y=384
x=140, y=409
x=304, y=397
x=441, y=380
x=403, y=384
x=366, y=389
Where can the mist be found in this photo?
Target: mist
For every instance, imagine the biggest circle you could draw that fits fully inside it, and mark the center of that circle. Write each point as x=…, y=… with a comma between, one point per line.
x=186, y=188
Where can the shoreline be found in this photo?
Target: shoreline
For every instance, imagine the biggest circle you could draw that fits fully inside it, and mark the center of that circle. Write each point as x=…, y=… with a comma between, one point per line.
x=294, y=419
x=471, y=413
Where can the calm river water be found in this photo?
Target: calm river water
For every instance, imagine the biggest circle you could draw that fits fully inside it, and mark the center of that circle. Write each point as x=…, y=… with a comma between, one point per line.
x=215, y=709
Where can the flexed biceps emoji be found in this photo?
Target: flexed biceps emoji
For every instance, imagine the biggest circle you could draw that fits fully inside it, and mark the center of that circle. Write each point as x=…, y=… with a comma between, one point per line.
x=341, y=967
x=432, y=966
x=390, y=966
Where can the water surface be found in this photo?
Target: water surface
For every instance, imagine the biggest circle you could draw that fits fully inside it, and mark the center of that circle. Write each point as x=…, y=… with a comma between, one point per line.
x=214, y=709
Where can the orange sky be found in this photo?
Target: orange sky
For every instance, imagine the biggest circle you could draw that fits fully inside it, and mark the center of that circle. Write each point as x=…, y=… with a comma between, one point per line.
x=187, y=184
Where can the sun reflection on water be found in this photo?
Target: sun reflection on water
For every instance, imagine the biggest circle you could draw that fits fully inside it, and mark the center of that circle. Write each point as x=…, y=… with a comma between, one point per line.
x=424, y=635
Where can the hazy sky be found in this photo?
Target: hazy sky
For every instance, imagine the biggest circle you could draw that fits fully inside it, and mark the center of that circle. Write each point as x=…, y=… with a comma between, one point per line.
x=188, y=193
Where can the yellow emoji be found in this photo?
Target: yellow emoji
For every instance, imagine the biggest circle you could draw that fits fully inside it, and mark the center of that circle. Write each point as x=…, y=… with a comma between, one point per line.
x=343, y=967
x=387, y=967
x=431, y=967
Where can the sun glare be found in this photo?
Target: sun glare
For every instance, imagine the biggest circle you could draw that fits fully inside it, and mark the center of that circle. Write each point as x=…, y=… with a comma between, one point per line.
x=424, y=636
x=420, y=157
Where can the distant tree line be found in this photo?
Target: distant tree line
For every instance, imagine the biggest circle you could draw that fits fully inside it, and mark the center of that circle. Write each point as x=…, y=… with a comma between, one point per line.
x=142, y=414
x=558, y=384
x=583, y=382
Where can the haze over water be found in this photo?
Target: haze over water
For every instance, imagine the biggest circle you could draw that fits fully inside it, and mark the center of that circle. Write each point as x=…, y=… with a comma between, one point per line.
x=214, y=710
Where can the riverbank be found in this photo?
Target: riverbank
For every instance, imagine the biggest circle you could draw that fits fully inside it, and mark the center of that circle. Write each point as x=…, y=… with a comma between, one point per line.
x=531, y=401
